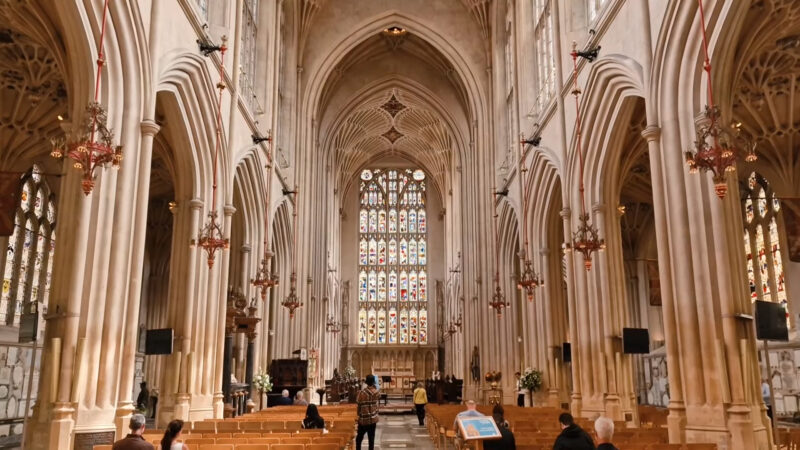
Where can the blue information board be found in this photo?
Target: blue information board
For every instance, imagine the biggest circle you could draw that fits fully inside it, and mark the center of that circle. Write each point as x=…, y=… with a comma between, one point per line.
x=473, y=428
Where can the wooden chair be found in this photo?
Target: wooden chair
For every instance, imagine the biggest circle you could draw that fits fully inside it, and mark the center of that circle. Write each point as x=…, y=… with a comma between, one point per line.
x=199, y=441
x=204, y=427
x=229, y=426
x=294, y=425
x=322, y=447
x=287, y=447
x=233, y=441
x=216, y=447
x=251, y=447
x=665, y=447
x=272, y=426
x=296, y=440
x=250, y=426
x=246, y=435
x=276, y=435
x=101, y=447
x=263, y=441
x=700, y=446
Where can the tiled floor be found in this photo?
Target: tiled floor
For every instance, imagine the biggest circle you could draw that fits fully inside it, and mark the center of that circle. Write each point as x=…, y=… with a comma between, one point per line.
x=400, y=432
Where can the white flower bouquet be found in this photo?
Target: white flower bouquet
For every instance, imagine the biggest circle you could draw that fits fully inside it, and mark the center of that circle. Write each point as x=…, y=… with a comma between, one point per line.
x=531, y=379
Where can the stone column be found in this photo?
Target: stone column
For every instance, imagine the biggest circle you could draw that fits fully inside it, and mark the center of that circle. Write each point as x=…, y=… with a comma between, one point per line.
x=576, y=400
x=226, y=374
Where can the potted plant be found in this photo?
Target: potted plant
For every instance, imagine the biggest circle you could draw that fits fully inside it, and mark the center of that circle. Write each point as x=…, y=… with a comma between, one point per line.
x=531, y=380
x=263, y=384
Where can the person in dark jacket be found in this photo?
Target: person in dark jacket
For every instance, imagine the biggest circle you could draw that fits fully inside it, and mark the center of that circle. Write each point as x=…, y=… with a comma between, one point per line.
x=285, y=400
x=506, y=442
x=572, y=436
x=313, y=419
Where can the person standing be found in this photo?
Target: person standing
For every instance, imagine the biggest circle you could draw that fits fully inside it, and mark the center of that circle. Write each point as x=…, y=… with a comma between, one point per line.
x=520, y=390
x=144, y=396
x=420, y=400
x=134, y=440
x=572, y=436
x=367, y=400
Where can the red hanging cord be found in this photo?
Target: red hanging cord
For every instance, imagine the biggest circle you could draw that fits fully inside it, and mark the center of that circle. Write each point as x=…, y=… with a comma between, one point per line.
x=576, y=91
x=100, y=63
x=496, y=242
x=221, y=87
x=707, y=60
x=294, y=233
x=522, y=171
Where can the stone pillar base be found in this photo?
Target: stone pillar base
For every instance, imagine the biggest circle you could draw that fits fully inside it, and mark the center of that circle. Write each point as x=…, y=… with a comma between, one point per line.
x=613, y=407
x=676, y=423
x=122, y=419
x=553, y=398
x=61, y=425
x=182, y=407
x=218, y=405
x=575, y=405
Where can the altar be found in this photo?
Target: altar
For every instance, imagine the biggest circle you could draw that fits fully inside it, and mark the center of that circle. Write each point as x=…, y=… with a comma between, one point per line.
x=402, y=365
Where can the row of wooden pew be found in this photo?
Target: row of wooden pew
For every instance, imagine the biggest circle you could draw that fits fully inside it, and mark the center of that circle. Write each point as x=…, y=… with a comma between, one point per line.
x=538, y=428
x=277, y=428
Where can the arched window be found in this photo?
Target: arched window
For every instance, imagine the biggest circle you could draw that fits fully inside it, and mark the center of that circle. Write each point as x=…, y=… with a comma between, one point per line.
x=545, y=56
x=393, y=285
x=762, y=243
x=29, y=254
x=248, y=54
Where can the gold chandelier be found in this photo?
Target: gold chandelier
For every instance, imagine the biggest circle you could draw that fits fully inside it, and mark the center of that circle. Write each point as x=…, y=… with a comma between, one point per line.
x=291, y=301
x=211, y=237
x=498, y=301
x=91, y=145
x=265, y=279
x=586, y=240
x=716, y=147
x=529, y=280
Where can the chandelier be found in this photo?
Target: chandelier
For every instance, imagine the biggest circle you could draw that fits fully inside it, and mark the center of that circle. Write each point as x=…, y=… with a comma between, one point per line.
x=586, y=239
x=292, y=302
x=211, y=238
x=498, y=301
x=454, y=326
x=332, y=326
x=716, y=146
x=529, y=280
x=91, y=146
x=264, y=278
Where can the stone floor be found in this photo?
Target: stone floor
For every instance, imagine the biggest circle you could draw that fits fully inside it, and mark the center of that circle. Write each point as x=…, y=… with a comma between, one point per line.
x=400, y=431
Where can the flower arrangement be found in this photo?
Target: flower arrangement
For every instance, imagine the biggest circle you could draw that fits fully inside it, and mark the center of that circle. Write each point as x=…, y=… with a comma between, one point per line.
x=349, y=372
x=531, y=379
x=262, y=382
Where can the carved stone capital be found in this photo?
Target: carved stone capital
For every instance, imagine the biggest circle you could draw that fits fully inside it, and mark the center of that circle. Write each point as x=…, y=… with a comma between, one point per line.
x=229, y=210
x=196, y=204
x=565, y=213
x=651, y=133
x=150, y=127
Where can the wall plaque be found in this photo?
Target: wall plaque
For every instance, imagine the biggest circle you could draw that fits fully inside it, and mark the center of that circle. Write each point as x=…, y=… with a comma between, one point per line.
x=86, y=441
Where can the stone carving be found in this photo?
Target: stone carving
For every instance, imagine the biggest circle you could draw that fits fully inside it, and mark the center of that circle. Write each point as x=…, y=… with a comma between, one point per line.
x=393, y=106
x=392, y=135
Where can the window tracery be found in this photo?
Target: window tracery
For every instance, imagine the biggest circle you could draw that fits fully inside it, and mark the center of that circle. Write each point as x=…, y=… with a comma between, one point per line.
x=392, y=247
x=543, y=36
x=29, y=254
x=762, y=248
x=248, y=53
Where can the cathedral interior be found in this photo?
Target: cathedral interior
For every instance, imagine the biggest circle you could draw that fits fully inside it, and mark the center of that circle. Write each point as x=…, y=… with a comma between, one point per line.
x=195, y=194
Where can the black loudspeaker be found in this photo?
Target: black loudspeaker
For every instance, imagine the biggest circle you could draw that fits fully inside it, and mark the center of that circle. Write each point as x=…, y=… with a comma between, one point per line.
x=158, y=342
x=771, y=321
x=635, y=340
x=566, y=352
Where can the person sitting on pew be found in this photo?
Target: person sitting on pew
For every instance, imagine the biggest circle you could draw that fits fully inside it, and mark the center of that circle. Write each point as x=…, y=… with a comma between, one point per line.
x=313, y=420
x=299, y=400
x=506, y=442
x=284, y=400
x=604, y=427
x=572, y=436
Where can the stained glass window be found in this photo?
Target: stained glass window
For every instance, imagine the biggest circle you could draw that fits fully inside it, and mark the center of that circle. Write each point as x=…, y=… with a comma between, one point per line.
x=762, y=248
x=393, y=284
x=29, y=253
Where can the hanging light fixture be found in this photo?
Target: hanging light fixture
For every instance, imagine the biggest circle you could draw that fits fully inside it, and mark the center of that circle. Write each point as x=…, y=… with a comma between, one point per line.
x=292, y=302
x=211, y=238
x=717, y=146
x=264, y=278
x=498, y=301
x=454, y=326
x=529, y=280
x=91, y=146
x=586, y=240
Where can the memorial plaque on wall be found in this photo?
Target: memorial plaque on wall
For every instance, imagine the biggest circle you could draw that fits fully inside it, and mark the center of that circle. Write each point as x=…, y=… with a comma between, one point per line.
x=87, y=441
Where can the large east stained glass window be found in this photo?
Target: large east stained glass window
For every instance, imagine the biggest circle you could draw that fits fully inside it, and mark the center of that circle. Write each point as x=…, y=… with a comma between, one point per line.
x=29, y=253
x=392, y=258
x=761, y=242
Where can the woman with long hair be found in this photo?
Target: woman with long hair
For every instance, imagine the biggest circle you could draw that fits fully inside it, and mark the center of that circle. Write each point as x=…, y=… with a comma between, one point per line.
x=313, y=419
x=171, y=436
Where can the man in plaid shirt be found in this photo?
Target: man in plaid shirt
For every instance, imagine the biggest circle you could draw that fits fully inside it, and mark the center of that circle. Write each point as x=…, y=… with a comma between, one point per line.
x=367, y=401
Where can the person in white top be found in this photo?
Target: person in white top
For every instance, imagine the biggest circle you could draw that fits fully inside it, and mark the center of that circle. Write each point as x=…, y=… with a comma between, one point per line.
x=172, y=436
